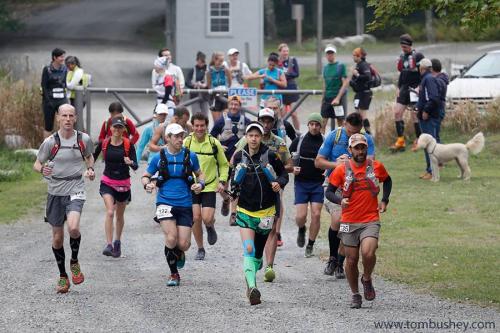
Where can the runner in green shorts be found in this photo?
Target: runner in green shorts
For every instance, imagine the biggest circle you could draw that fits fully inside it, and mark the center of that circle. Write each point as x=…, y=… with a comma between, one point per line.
x=257, y=178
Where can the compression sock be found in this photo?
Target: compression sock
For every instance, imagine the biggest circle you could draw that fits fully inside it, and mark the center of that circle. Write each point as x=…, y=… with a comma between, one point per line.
x=171, y=260
x=402, y=127
x=249, y=268
x=74, y=243
x=418, y=130
x=60, y=260
x=334, y=242
x=398, y=128
x=341, y=259
x=310, y=242
x=366, y=125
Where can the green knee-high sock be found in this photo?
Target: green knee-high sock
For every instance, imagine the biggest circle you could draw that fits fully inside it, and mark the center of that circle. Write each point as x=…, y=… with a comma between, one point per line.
x=249, y=268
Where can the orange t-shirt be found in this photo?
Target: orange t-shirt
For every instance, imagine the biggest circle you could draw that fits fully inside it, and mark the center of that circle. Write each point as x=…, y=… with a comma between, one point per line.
x=363, y=206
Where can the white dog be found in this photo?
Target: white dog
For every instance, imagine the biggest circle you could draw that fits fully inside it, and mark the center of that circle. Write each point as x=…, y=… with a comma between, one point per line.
x=439, y=153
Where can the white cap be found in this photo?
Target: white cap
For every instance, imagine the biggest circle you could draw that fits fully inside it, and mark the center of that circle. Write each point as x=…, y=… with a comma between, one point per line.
x=232, y=51
x=174, y=129
x=255, y=125
x=330, y=48
x=425, y=63
x=266, y=112
x=161, y=108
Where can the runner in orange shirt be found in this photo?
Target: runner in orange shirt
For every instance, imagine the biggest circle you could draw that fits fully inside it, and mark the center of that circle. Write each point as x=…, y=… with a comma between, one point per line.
x=358, y=183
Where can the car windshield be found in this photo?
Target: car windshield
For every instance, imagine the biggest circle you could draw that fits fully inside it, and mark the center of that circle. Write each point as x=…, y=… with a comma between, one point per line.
x=487, y=66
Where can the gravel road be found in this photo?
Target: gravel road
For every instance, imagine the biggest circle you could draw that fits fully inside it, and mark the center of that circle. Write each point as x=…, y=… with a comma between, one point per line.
x=129, y=294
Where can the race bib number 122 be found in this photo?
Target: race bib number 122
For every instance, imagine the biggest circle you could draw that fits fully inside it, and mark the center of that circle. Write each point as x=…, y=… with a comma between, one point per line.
x=163, y=212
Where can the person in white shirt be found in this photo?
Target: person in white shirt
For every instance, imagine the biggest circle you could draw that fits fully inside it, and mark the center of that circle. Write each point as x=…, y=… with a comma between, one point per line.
x=239, y=70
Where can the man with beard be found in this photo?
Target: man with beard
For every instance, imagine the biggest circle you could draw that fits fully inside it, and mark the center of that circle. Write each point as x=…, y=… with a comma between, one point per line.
x=359, y=179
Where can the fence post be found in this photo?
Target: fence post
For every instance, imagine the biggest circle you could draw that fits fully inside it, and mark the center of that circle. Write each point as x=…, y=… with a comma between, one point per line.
x=79, y=109
x=89, y=110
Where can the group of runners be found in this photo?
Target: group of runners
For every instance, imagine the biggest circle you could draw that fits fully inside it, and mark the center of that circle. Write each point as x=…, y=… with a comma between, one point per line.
x=245, y=163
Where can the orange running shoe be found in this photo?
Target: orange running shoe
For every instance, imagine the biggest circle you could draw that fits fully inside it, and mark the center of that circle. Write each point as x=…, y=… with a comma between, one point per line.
x=62, y=285
x=399, y=145
x=76, y=273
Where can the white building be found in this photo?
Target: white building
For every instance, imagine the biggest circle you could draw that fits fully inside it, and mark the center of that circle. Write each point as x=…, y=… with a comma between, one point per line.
x=218, y=25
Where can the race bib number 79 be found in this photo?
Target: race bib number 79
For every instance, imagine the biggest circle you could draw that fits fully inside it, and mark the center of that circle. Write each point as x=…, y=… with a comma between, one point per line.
x=266, y=223
x=163, y=212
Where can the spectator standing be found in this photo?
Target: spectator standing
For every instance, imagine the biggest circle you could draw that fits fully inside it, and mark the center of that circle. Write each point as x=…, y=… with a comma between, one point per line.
x=290, y=67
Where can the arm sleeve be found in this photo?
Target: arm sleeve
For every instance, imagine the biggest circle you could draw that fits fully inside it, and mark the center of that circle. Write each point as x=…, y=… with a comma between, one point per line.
x=290, y=131
x=102, y=133
x=133, y=132
x=45, y=84
x=331, y=194
x=386, y=189
x=190, y=75
x=293, y=145
x=279, y=168
x=133, y=157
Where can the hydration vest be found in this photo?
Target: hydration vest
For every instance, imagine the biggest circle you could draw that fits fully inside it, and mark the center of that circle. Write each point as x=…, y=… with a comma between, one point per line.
x=370, y=180
x=299, y=144
x=410, y=64
x=164, y=173
x=227, y=131
x=243, y=168
x=80, y=145
x=218, y=76
x=105, y=144
x=213, y=153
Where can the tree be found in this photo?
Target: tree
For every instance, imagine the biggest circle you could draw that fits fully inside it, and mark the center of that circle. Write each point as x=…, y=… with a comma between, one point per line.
x=475, y=15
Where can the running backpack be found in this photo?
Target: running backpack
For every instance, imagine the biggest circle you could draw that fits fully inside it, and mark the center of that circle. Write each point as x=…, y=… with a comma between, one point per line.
x=375, y=79
x=350, y=180
x=80, y=145
x=214, y=152
x=164, y=173
x=105, y=143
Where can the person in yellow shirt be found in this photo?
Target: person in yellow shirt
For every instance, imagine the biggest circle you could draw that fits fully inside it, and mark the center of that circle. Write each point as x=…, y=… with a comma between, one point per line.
x=215, y=167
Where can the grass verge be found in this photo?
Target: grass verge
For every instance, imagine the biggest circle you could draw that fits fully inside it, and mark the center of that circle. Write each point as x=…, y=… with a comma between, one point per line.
x=21, y=191
x=443, y=237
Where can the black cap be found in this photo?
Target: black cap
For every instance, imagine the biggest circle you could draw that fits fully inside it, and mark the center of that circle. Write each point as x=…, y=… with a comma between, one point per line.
x=406, y=39
x=118, y=121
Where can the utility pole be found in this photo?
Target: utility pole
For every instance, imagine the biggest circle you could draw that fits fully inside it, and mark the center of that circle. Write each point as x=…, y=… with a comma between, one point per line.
x=360, y=18
x=319, y=36
x=170, y=26
x=429, y=29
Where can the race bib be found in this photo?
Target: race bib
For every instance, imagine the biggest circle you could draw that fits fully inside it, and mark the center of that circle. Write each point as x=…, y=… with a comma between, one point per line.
x=58, y=93
x=339, y=110
x=266, y=223
x=356, y=103
x=413, y=97
x=344, y=227
x=163, y=212
x=78, y=196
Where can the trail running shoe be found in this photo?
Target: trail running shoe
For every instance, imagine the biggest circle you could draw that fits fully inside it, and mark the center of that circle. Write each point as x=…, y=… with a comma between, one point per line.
x=301, y=237
x=339, y=272
x=330, y=266
x=309, y=251
x=279, y=242
x=108, y=250
x=211, y=235
x=269, y=274
x=174, y=280
x=356, y=301
x=76, y=273
x=232, y=220
x=200, y=255
x=426, y=176
x=181, y=259
x=368, y=289
x=254, y=296
x=117, y=249
x=224, y=210
x=62, y=286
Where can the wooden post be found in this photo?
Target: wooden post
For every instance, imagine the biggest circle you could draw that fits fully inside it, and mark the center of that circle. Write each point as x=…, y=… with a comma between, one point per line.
x=319, y=36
